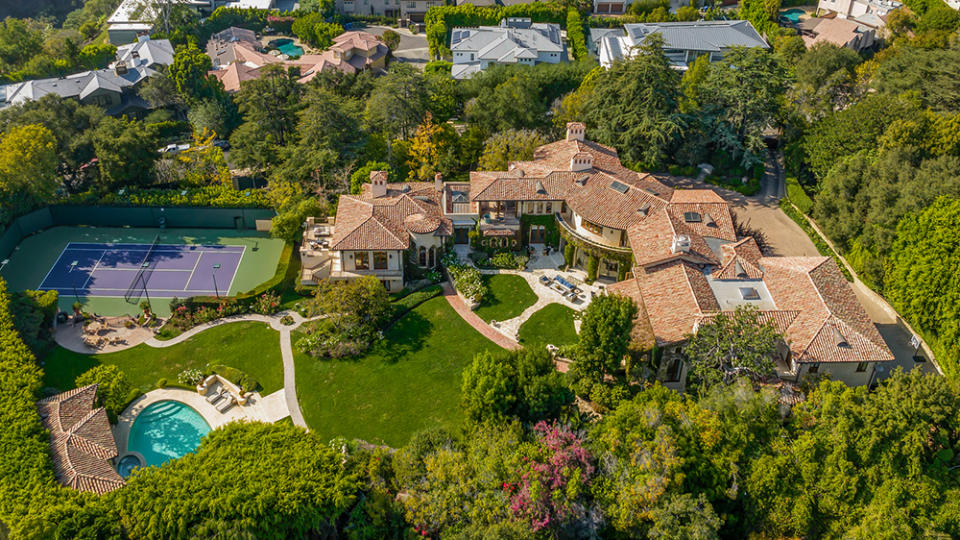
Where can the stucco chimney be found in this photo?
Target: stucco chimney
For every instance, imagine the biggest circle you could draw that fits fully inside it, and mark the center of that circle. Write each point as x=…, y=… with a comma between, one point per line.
x=378, y=183
x=438, y=181
x=681, y=244
x=581, y=161
x=576, y=131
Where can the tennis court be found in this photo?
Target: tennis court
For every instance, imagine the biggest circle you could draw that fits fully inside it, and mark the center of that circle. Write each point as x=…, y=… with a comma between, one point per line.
x=132, y=270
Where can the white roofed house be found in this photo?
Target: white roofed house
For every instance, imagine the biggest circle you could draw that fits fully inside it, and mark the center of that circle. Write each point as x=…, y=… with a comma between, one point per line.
x=516, y=41
x=683, y=42
x=113, y=88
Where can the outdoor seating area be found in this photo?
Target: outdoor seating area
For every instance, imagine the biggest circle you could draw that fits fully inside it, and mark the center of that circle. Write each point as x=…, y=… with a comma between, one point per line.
x=568, y=288
x=221, y=393
x=100, y=332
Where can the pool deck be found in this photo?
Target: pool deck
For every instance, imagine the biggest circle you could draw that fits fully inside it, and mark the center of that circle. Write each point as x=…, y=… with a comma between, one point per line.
x=258, y=409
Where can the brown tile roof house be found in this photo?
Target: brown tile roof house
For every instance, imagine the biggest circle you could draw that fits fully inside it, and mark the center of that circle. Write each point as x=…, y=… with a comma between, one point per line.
x=351, y=52
x=691, y=267
x=383, y=220
x=81, y=443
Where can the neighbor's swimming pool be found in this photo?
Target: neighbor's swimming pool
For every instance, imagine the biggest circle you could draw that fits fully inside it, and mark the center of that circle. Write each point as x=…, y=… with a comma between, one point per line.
x=792, y=15
x=166, y=430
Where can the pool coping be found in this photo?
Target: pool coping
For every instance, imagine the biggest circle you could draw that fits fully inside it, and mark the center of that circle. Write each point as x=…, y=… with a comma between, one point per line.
x=213, y=418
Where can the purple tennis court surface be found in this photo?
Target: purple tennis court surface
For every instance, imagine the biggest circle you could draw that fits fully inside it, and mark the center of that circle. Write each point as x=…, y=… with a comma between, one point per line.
x=170, y=270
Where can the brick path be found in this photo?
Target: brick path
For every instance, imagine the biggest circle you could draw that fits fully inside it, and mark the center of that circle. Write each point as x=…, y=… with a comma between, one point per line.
x=473, y=320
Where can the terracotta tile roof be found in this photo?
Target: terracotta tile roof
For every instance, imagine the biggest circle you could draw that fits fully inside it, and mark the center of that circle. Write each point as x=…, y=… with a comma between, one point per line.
x=234, y=74
x=831, y=325
x=365, y=222
x=675, y=297
x=780, y=319
x=81, y=443
x=652, y=239
x=740, y=260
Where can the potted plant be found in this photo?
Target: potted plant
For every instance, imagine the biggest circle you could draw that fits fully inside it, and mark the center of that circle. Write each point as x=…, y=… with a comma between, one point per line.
x=77, y=307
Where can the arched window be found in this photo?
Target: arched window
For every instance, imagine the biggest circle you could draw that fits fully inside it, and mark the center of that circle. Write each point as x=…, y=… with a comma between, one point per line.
x=433, y=262
x=423, y=256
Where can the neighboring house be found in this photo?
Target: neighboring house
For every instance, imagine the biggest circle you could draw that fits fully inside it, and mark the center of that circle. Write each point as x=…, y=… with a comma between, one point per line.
x=113, y=88
x=221, y=49
x=377, y=231
x=240, y=60
x=840, y=32
x=516, y=41
x=597, y=35
x=81, y=442
x=135, y=18
x=684, y=42
x=872, y=13
x=415, y=10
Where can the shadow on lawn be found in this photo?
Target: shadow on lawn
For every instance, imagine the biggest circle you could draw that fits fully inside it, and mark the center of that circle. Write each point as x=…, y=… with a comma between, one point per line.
x=406, y=337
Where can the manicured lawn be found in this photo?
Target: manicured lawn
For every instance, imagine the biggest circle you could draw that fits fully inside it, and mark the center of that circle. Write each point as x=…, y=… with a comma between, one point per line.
x=553, y=324
x=248, y=346
x=408, y=382
x=509, y=296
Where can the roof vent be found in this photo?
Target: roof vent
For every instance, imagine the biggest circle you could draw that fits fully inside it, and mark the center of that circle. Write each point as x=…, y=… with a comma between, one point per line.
x=645, y=209
x=749, y=293
x=540, y=189
x=739, y=271
x=582, y=181
x=709, y=221
x=405, y=188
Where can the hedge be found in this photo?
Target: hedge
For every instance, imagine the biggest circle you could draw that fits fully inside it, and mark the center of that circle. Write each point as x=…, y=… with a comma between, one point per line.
x=216, y=196
x=575, y=35
x=27, y=483
x=237, y=377
x=441, y=20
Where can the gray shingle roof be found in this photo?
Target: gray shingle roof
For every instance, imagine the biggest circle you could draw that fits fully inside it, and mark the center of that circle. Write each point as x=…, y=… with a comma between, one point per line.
x=700, y=35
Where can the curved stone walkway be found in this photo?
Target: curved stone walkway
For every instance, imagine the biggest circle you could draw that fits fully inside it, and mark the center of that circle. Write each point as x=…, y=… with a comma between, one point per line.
x=475, y=321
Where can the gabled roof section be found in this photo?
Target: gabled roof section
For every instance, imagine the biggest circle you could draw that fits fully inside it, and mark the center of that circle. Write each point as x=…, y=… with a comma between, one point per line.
x=740, y=260
x=713, y=36
x=675, y=296
x=831, y=326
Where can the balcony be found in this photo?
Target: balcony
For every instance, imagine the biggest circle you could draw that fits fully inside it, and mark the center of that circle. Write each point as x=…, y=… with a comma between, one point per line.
x=572, y=231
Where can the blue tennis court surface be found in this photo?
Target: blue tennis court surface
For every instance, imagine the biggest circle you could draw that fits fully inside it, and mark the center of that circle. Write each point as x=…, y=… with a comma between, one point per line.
x=163, y=270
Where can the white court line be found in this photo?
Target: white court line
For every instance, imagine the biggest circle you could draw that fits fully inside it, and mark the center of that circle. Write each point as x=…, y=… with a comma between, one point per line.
x=57, y=262
x=195, y=265
x=94, y=269
x=236, y=270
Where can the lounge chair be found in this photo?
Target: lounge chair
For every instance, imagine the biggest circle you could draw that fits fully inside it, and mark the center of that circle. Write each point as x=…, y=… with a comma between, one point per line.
x=224, y=405
x=214, y=396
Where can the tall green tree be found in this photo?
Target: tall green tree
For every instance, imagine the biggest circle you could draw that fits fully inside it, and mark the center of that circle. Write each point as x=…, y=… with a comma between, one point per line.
x=635, y=105
x=189, y=72
x=28, y=162
x=272, y=101
x=745, y=90
x=126, y=152
x=603, y=343
x=732, y=346
x=397, y=103
x=512, y=145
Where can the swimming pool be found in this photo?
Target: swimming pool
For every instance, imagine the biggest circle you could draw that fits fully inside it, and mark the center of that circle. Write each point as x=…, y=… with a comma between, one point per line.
x=792, y=15
x=287, y=47
x=166, y=430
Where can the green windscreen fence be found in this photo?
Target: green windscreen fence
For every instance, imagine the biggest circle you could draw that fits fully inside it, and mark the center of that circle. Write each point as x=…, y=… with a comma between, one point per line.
x=120, y=216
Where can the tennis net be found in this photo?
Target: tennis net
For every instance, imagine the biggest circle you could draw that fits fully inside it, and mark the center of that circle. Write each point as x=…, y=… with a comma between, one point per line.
x=135, y=289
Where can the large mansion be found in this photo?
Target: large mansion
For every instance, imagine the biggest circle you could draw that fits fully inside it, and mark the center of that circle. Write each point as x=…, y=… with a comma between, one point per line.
x=675, y=252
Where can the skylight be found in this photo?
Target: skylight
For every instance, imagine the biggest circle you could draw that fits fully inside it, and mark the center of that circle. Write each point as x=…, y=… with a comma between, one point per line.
x=691, y=217
x=749, y=293
x=619, y=187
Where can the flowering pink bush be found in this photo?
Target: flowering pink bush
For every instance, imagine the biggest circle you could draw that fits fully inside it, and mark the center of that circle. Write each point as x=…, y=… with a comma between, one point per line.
x=554, y=479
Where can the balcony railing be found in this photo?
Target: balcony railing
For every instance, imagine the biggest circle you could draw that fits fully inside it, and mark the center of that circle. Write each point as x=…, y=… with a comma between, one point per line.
x=593, y=243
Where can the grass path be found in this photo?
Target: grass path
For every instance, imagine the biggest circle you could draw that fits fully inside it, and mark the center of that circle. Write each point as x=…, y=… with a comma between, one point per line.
x=408, y=382
x=248, y=346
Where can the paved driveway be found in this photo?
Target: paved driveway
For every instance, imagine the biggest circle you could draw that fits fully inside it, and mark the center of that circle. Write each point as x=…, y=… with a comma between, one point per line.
x=412, y=48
